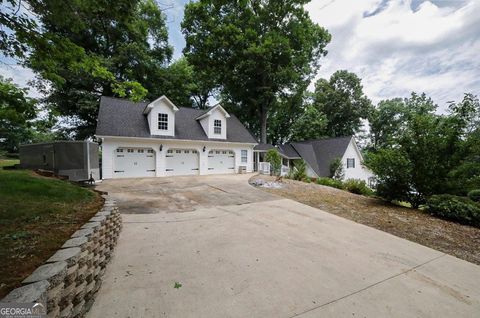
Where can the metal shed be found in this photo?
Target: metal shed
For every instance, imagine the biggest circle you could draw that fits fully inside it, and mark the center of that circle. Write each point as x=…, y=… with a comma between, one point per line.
x=78, y=160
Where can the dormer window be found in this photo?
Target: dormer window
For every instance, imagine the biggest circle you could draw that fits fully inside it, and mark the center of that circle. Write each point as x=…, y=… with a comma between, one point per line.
x=162, y=121
x=217, y=127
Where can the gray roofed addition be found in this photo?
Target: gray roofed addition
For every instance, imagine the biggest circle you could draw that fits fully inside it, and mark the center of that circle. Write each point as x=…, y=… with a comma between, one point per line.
x=124, y=118
x=288, y=151
x=320, y=153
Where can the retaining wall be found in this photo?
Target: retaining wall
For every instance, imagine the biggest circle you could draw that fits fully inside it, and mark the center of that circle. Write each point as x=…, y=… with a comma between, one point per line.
x=69, y=280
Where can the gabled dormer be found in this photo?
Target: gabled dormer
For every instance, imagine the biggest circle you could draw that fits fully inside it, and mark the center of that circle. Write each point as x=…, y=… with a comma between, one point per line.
x=214, y=122
x=161, y=116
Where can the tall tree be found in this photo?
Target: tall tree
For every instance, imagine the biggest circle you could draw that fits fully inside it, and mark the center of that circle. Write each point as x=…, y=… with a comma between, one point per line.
x=430, y=154
x=256, y=51
x=16, y=113
x=91, y=48
x=386, y=121
x=310, y=125
x=342, y=100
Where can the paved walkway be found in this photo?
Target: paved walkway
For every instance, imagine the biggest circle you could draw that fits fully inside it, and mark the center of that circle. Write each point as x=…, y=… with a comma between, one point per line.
x=239, y=252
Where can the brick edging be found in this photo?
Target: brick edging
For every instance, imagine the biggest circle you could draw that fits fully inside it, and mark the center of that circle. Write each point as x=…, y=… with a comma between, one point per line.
x=69, y=280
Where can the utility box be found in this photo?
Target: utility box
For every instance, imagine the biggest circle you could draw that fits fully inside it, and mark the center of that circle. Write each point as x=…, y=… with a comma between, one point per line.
x=77, y=160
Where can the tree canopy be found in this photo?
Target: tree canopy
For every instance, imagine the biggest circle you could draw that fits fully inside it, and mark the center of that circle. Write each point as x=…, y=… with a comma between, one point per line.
x=342, y=100
x=255, y=50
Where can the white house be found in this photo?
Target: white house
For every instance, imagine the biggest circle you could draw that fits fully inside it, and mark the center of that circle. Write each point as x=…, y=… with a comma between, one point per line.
x=160, y=139
x=319, y=154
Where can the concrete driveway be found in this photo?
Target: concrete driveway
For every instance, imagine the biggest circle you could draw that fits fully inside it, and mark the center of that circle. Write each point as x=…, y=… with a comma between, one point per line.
x=237, y=251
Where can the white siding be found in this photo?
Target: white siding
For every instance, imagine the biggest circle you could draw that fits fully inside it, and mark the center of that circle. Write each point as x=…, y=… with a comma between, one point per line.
x=359, y=172
x=208, y=127
x=109, y=144
x=161, y=106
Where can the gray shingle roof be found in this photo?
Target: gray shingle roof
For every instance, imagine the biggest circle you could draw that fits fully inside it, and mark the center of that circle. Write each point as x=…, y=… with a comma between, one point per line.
x=123, y=118
x=263, y=147
x=288, y=151
x=320, y=153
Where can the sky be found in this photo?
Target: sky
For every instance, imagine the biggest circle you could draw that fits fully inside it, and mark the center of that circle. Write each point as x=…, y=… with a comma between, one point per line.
x=395, y=47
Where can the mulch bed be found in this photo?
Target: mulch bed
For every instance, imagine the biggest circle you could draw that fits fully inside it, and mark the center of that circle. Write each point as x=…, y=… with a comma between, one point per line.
x=417, y=226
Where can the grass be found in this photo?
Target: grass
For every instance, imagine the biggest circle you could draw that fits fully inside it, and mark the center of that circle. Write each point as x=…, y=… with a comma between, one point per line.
x=37, y=215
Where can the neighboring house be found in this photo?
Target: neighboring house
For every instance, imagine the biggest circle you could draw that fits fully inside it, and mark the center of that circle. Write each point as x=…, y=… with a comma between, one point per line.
x=319, y=154
x=160, y=139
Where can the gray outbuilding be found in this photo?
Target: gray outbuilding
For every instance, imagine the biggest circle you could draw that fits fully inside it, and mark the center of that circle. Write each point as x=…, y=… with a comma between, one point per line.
x=78, y=160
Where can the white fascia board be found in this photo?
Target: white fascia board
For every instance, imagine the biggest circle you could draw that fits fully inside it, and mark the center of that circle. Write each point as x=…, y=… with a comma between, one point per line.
x=163, y=97
x=177, y=140
x=211, y=110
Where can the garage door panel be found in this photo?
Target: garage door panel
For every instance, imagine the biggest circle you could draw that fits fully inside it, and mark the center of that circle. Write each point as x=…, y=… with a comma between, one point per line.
x=221, y=161
x=182, y=162
x=134, y=162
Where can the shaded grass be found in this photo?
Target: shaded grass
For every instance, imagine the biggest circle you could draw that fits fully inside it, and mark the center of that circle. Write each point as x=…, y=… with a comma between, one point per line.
x=37, y=215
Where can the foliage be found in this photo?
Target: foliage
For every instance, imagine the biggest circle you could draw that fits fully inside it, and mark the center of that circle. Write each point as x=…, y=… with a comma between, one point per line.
x=454, y=208
x=309, y=125
x=337, y=171
x=357, y=186
x=474, y=195
x=256, y=51
x=299, y=170
x=329, y=182
x=21, y=26
x=90, y=48
x=386, y=122
x=426, y=153
x=273, y=157
x=16, y=113
x=342, y=100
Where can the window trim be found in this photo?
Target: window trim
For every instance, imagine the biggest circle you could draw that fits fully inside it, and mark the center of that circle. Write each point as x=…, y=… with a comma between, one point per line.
x=162, y=120
x=350, y=163
x=217, y=126
x=242, y=157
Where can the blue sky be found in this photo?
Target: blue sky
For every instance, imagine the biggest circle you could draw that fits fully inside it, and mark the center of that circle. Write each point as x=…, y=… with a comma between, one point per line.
x=395, y=46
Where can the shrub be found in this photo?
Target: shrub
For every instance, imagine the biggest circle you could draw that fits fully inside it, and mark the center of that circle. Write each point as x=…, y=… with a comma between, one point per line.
x=299, y=170
x=273, y=157
x=357, y=186
x=455, y=208
x=336, y=169
x=474, y=195
x=329, y=182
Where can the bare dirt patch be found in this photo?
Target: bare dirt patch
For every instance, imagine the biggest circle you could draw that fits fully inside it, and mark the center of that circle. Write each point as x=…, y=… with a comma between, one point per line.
x=455, y=239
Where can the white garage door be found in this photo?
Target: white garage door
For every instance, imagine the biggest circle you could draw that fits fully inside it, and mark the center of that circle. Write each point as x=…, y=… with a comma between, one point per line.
x=182, y=162
x=221, y=161
x=134, y=162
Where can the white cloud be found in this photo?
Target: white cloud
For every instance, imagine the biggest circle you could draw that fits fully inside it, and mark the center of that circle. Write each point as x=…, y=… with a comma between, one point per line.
x=397, y=47
x=19, y=75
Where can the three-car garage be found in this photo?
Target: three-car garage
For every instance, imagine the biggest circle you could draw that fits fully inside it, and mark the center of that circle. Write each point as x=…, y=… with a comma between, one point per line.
x=131, y=162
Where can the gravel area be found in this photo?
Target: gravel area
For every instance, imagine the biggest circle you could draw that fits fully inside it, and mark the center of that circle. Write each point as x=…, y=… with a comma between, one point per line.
x=455, y=239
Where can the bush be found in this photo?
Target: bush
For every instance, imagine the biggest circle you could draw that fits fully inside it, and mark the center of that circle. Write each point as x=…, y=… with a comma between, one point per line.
x=357, y=186
x=275, y=160
x=336, y=169
x=299, y=170
x=474, y=195
x=455, y=208
x=329, y=182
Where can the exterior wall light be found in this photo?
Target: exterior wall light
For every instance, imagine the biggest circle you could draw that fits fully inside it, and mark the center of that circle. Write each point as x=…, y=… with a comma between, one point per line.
x=204, y=148
x=161, y=147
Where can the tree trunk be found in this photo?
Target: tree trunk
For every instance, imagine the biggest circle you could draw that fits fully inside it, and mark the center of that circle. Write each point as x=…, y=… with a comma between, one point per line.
x=263, y=125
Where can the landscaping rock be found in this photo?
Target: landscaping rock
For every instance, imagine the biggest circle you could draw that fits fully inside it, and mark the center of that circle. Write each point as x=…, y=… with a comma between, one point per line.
x=54, y=273
x=69, y=255
x=31, y=293
x=80, y=241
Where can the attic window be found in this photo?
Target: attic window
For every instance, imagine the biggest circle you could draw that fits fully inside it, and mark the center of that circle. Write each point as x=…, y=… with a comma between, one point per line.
x=162, y=121
x=217, y=126
x=350, y=162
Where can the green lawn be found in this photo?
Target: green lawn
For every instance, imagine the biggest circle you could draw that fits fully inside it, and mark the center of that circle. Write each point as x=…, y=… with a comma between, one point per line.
x=37, y=214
